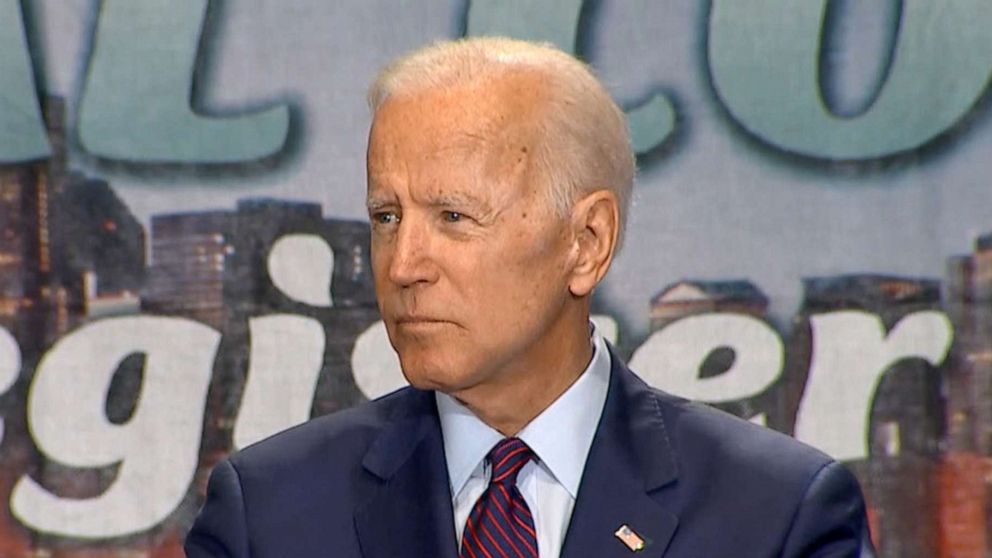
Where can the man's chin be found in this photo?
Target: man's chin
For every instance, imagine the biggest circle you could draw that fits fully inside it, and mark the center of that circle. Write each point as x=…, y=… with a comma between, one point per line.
x=434, y=378
x=424, y=383
x=419, y=366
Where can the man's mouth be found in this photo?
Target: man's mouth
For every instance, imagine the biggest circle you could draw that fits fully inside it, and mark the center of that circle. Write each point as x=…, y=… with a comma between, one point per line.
x=420, y=321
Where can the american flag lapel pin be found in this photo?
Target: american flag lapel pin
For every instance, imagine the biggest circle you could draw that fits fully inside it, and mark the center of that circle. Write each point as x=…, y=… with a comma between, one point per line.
x=628, y=537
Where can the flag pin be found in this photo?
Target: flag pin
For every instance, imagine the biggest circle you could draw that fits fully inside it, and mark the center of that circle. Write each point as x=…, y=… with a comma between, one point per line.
x=628, y=537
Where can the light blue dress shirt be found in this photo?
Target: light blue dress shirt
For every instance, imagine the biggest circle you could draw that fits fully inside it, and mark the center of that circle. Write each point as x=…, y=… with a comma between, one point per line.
x=560, y=437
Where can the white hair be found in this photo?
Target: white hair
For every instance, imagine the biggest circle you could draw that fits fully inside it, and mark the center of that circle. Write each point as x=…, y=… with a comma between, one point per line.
x=585, y=141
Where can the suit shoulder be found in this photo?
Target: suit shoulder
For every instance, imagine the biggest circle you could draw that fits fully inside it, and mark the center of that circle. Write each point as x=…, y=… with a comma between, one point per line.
x=747, y=486
x=343, y=434
x=703, y=434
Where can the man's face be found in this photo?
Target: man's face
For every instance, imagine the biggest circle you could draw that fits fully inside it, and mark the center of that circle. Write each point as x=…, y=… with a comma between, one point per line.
x=469, y=258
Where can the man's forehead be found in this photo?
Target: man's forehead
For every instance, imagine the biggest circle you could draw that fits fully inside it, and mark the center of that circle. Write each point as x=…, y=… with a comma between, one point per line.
x=466, y=113
x=396, y=155
x=467, y=142
x=441, y=197
x=410, y=138
x=439, y=128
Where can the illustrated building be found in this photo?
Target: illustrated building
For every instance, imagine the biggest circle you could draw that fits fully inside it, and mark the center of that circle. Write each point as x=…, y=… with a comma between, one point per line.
x=906, y=421
x=97, y=246
x=261, y=223
x=28, y=301
x=189, y=264
x=966, y=466
x=969, y=306
x=213, y=267
x=21, y=250
x=62, y=233
x=62, y=236
x=690, y=296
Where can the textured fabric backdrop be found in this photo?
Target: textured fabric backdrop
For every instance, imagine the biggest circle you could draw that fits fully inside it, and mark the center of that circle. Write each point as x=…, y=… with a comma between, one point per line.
x=184, y=248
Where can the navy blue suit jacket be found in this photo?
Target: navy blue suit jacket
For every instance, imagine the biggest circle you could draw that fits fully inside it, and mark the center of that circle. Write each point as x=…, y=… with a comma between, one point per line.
x=694, y=482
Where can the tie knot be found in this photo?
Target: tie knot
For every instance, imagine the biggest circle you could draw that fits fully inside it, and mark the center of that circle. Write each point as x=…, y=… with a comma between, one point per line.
x=507, y=458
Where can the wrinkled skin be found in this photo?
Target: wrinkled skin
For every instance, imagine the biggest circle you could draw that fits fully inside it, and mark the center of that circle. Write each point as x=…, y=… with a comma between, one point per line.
x=483, y=289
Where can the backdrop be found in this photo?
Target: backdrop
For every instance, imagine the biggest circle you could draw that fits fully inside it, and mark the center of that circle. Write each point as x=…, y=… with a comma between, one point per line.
x=184, y=247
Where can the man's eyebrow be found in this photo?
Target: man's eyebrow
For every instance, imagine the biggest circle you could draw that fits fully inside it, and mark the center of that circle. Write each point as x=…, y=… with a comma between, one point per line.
x=374, y=203
x=456, y=198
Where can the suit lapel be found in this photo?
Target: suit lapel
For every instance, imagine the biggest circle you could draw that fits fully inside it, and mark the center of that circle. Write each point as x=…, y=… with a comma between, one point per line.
x=630, y=459
x=408, y=511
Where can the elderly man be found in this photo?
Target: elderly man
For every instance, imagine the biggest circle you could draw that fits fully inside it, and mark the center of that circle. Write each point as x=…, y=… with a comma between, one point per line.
x=499, y=173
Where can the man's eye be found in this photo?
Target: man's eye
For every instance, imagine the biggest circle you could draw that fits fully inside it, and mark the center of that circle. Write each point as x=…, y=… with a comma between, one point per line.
x=452, y=216
x=386, y=218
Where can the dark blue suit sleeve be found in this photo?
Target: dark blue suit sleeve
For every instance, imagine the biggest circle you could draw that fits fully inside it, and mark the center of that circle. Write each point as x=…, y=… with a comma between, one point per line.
x=220, y=530
x=830, y=521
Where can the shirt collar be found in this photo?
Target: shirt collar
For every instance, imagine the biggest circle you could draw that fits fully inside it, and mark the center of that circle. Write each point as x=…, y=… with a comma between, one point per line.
x=467, y=439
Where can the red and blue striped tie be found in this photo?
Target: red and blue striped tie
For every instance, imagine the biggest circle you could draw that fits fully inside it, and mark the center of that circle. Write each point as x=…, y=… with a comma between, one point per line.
x=500, y=525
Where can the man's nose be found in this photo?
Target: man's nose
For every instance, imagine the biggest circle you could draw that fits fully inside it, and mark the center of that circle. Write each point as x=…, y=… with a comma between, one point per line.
x=412, y=260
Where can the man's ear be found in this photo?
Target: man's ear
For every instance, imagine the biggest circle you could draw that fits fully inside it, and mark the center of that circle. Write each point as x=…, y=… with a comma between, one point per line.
x=595, y=223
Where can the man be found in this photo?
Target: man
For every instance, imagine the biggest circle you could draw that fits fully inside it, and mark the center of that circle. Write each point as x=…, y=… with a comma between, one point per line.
x=499, y=173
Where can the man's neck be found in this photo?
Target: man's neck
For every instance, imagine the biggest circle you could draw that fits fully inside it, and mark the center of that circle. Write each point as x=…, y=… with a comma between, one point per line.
x=518, y=395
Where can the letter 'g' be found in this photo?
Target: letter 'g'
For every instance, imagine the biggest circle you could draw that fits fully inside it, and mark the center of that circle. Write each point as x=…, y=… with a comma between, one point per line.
x=157, y=449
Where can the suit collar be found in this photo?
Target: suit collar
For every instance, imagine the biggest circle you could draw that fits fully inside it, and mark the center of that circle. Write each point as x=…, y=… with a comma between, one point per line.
x=633, y=413
x=630, y=460
x=410, y=418
x=408, y=509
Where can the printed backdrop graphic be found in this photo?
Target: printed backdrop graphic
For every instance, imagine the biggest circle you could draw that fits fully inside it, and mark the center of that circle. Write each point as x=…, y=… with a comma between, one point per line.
x=184, y=251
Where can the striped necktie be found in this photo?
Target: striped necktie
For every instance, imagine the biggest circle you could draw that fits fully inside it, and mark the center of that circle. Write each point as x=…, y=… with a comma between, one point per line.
x=500, y=525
